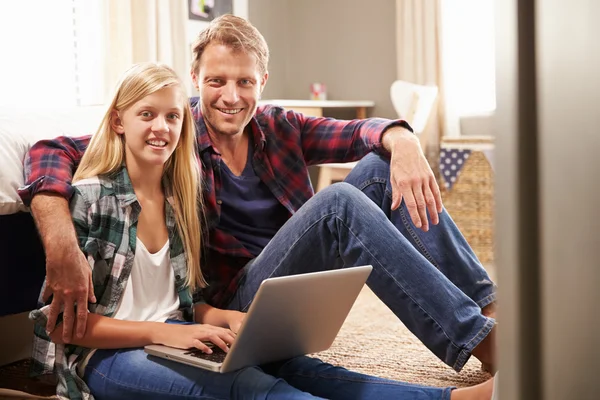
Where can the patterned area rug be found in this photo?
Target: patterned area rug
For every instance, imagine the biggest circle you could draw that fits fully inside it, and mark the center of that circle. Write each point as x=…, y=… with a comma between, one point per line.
x=372, y=341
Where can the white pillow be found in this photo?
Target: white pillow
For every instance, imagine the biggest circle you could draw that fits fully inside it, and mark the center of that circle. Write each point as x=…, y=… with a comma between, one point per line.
x=21, y=128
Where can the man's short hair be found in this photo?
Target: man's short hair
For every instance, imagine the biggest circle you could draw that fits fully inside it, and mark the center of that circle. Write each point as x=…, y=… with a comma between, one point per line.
x=235, y=33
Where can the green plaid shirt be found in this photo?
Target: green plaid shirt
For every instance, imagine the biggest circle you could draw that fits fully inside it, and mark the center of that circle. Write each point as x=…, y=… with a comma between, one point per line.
x=105, y=211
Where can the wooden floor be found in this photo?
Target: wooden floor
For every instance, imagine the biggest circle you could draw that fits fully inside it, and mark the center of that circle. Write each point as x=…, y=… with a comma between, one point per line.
x=15, y=376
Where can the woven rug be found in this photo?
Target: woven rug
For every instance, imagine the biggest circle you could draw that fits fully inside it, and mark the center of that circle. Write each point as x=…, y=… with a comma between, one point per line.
x=372, y=341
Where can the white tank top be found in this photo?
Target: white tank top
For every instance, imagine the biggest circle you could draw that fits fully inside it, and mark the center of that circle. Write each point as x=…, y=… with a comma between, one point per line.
x=149, y=293
x=150, y=290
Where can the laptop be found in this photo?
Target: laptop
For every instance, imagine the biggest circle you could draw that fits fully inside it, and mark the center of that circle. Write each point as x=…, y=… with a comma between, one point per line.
x=290, y=316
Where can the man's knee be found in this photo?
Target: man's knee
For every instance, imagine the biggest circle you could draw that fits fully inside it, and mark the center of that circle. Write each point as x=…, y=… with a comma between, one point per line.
x=372, y=177
x=338, y=190
x=373, y=168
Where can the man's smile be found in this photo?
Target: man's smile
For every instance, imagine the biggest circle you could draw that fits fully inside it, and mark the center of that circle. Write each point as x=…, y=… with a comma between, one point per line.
x=230, y=111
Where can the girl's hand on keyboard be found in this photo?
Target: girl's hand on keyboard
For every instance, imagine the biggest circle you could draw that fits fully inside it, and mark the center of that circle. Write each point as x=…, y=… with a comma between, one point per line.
x=193, y=336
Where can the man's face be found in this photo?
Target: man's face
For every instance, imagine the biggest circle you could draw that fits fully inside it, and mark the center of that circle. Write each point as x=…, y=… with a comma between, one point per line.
x=230, y=84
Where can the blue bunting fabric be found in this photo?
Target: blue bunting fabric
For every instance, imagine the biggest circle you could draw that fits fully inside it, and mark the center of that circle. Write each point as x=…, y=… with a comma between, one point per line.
x=451, y=163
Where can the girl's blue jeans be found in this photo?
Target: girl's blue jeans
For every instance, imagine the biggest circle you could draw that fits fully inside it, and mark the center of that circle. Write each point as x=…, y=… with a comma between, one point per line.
x=132, y=374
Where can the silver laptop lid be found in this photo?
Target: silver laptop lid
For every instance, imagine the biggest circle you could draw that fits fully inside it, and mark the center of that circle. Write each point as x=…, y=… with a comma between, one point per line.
x=295, y=315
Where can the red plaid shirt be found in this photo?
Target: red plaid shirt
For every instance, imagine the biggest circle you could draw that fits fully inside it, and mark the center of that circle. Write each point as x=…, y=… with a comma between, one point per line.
x=285, y=144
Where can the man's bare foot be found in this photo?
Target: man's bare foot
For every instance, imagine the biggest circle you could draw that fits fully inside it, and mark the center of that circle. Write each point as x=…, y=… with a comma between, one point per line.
x=489, y=310
x=486, y=351
x=483, y=391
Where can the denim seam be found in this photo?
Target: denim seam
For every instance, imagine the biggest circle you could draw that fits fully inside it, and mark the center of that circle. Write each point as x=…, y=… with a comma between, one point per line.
x=465, y=353
x=401, y=287
x=486, y=301
x=370, y=182
x=140, y=389
x=412, y=233
x=447, y=393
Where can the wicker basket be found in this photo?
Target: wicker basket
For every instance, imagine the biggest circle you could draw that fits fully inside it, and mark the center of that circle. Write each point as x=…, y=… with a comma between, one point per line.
x=470, y=202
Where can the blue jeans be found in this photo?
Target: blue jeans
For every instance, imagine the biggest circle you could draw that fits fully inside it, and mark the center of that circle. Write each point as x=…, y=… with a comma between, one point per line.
x=132, y=374
x=432, y=281
x=443, y=245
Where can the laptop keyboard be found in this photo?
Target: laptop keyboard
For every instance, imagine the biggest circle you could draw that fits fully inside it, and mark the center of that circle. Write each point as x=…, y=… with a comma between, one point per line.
x=217, y=355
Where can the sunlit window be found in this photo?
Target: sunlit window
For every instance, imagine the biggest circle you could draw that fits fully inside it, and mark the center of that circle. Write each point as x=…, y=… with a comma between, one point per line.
x=51, y=53
x=468, y=56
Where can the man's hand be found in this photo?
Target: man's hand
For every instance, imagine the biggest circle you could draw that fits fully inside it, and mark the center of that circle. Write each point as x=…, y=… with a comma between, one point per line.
x=412, y=178
x=68, y=274
x=69, y=281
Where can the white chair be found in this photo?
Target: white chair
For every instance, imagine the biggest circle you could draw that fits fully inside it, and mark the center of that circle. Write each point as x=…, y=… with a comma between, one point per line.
x=412, y=102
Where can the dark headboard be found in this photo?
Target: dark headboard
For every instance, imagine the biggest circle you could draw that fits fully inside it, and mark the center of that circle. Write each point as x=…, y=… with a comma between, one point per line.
x=22, y=264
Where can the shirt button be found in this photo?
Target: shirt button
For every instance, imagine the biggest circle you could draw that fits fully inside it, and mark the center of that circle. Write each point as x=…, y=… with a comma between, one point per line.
x=177, y=276
x=219, y=202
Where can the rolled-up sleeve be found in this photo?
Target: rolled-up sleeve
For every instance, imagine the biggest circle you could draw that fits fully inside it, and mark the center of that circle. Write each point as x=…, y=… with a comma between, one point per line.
x=49, y=167
x=326, y=140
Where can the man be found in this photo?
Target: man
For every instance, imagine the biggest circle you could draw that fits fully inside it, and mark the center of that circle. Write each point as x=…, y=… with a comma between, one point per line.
x=262, y=219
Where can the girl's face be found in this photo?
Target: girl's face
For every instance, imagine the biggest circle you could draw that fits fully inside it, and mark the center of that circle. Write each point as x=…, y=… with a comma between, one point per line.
x=152, y=127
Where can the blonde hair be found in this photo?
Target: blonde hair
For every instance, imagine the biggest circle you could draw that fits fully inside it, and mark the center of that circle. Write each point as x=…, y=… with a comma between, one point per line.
x=235, y=33
x=105, y=154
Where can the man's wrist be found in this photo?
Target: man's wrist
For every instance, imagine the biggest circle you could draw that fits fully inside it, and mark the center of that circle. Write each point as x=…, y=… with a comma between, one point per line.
x=396, y=135
x=60, y=248
x=53, y=220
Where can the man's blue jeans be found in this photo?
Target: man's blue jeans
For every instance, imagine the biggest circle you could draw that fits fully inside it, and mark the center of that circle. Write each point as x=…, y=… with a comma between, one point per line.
x=432, y=281
x=132, y=374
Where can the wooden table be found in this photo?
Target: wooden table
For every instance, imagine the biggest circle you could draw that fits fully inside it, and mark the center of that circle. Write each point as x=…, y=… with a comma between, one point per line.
x=314, y=108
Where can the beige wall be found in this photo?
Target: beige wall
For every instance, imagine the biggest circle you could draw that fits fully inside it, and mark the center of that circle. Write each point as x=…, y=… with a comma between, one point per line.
x=271, y=18
x=347, y=44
